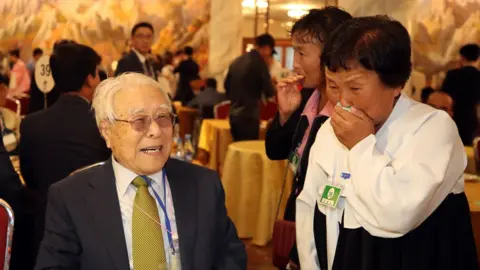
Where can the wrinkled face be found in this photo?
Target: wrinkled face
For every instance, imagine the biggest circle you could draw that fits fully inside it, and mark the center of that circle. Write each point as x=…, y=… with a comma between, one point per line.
x=142, y=40
x=362, y=89
x=306, y=60
x=141, y=151
x=441, y=101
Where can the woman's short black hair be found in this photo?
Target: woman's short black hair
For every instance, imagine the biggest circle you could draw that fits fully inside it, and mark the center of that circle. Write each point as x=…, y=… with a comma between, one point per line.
x=71, y=64
x=377, y=43
x=319, y=23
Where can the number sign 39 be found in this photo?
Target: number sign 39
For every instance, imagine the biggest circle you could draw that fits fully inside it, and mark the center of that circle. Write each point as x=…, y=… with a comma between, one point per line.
x=43, y=74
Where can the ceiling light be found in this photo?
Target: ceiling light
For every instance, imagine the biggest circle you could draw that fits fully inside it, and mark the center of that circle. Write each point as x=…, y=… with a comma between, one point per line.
x=251, y=4
x=296, y=13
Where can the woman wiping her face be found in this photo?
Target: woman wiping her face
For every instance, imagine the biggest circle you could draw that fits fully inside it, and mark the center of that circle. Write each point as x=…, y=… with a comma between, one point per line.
x=384, y=186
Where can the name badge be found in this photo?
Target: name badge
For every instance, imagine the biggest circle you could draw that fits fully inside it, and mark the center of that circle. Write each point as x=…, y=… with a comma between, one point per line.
x=330, y=196
x=293, y=161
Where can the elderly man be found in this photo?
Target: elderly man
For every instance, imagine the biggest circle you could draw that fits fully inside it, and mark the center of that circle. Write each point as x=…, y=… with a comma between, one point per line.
x=138, y=210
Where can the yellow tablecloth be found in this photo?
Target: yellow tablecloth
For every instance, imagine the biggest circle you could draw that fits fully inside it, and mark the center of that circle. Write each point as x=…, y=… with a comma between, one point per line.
x=471, y=166
x=215, y=137
x=253, y=185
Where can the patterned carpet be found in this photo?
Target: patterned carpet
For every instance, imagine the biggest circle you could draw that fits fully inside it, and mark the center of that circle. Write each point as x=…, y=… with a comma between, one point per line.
x=259, y=258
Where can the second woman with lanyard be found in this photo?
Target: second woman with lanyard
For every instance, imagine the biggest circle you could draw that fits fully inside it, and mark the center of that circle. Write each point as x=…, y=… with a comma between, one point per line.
x=300, y=115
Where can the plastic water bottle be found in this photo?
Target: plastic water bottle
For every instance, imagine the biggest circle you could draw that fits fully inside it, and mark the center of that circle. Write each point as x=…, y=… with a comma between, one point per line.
x=188, y=148
x=179, y=152
x=177, y=148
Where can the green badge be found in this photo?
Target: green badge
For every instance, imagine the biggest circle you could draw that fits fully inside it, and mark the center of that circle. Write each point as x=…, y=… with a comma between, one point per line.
x=330, y=196
x=294, y=159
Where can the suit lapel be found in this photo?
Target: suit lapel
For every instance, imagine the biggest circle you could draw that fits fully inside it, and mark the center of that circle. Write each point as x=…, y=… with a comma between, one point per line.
x=139, y=66
x=184, y=194
x=104, y=206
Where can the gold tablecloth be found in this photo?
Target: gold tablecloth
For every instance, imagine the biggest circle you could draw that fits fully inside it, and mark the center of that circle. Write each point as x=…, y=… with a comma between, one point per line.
x=471, y=166
x=215, y=137
x=253, y=185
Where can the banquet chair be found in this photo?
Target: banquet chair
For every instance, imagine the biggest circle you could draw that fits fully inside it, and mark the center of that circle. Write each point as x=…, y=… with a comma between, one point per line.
x=6, y=233
x=268, y=110
x=87, y=167
x=476, y=152
x=222, y=110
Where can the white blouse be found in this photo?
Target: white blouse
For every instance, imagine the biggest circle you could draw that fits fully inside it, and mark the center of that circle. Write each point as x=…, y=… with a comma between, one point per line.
x=399, y=176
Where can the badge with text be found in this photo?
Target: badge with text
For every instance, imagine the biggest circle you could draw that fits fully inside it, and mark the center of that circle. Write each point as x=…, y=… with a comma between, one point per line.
x=330, y=196
x=294, y=159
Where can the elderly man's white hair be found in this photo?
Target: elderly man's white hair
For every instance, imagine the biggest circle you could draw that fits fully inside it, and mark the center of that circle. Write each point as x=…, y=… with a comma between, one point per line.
x=104, y=95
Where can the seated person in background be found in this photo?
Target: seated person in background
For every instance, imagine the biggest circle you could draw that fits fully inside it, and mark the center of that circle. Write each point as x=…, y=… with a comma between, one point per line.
x=139, y=210
x=64, y=137
x=207, y=99
x=426, y=91
x=19, y=75
x=9, y=120
x=37, y=98
x=441, y=101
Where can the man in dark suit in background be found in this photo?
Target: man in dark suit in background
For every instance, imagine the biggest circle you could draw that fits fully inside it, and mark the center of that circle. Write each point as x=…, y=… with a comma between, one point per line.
x=64, y=137
x=188, y=70
x=139, y=59
x=138, y=210
x=207, y=99
x=463, y=85
x=247, y=82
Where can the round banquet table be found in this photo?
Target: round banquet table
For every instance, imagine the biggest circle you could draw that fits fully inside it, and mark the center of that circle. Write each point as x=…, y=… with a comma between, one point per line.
x=214, y=139
x=253, y=185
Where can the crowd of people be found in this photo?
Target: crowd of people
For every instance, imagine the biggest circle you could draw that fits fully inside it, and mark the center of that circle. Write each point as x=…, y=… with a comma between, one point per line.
x=378, y=177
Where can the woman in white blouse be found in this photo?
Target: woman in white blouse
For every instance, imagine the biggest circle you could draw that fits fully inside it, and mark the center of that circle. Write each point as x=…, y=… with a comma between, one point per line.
x=384, y=186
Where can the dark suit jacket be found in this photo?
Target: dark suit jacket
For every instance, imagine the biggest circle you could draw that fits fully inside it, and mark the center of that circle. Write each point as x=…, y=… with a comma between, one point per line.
x=248, y=79
x=188, y=71
x=131, y=63
x=54, y=143
x=463, y=85
x=206, y=100
x=37, y=98
x=84, y=230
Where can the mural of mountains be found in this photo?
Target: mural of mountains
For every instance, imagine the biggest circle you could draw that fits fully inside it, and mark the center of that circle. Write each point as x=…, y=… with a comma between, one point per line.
x=102, y=24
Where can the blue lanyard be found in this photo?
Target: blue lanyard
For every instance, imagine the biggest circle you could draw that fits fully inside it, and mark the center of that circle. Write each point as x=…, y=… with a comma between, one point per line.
x=162, y=205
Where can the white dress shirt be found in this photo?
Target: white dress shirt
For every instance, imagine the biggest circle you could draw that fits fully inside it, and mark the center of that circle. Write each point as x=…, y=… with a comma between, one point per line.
x=126, y=195
x=399, y=176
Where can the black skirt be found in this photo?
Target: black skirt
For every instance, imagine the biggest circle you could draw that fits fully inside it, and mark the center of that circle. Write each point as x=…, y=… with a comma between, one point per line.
x=443, y=241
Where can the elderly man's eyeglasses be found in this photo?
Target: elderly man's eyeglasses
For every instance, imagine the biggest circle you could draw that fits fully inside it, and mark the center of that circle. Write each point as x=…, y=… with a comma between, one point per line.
x=142, y=122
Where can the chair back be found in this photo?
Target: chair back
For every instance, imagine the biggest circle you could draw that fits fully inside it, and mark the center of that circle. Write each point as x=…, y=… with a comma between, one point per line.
x=222, y=110
x=268, y=110
x=476, y=153
x=6, y=233
x=87, y=167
